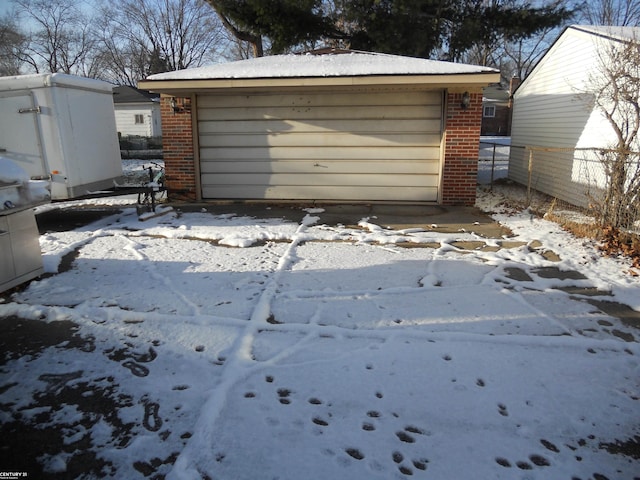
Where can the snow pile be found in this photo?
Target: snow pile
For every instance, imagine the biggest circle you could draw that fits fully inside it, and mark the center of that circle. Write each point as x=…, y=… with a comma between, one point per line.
x=28, y=192
x=330, y=65
x=11, y=172
x=318, y=351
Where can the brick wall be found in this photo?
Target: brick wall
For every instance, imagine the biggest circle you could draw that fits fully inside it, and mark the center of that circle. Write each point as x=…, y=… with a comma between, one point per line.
x=462, y=140
x=177, y=144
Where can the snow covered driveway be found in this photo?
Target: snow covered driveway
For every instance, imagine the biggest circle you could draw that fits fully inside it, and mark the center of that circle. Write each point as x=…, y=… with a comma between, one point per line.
x=225, y=347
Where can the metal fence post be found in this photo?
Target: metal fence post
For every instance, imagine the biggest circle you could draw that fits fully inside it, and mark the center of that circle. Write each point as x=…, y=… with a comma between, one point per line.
x=529, y=176
x=493, y=166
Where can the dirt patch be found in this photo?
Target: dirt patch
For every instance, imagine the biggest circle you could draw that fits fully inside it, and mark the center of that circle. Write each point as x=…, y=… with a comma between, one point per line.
x=67, y=219
x=43, y=447
x=629, y=448
x=555, y=272
x=518, y=274
x=37, y=443
x=626, y=314
x=20, y=337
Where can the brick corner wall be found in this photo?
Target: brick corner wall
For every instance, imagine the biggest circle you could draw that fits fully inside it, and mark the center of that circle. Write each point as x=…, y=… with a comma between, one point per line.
x=177, y=144
x=462, y=142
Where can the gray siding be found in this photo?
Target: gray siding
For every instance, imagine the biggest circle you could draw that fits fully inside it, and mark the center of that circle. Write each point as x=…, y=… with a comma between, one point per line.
x=321, y=146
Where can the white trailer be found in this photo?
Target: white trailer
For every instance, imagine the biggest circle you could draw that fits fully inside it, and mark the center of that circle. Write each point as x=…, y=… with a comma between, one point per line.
x=61, y=128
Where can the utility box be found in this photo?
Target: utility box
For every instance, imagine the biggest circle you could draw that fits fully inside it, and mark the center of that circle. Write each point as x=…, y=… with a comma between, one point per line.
x=20, y=256
x=61, y=128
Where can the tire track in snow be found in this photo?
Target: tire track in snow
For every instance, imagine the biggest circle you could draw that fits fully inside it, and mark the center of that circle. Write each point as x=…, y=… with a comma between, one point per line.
x=137, y=250
x=239, y=365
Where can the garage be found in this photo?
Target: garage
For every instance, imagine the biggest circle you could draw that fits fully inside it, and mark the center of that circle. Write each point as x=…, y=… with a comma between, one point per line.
x=335, y=127
x=321, y=146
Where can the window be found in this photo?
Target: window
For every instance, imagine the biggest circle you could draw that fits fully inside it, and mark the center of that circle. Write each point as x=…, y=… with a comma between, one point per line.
x=489, y=111
x=139, y=119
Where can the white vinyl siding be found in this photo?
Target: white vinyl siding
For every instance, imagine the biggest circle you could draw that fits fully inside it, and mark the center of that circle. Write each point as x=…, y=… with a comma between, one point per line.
x=550, y=110
x=321, y=146
x=140, y=120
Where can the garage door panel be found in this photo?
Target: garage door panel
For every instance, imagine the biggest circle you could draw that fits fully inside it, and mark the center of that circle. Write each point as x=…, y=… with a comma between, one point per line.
x=345, y=99
x=318, y=140
x=313, y=153
x=265, y=127
x=339, y=146
x=306, y=192
x=320, y=179
x=344, y=166
x=315, y=113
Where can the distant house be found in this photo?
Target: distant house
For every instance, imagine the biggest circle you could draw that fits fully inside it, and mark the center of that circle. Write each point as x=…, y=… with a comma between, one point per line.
x=551, y=113
x=343, y=126
x=137, y=112
x=496, y=108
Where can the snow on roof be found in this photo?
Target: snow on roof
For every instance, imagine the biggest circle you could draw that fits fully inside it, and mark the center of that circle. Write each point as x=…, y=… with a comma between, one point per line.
x=619, y=33
x=46, y=80
x=331, y=65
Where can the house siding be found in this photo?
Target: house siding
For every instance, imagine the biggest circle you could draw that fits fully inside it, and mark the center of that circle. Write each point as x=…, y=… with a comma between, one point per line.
x=550, y=110
x=126, y=125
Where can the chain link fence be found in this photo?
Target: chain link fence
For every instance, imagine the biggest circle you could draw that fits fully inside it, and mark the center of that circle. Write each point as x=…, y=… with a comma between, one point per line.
x=606, y=181
x=493, y=159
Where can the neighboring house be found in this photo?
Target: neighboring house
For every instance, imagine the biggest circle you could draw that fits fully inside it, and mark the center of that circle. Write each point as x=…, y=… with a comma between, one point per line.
x=496, y=108
x=137, y=112
x=552, y=114
x=332, y=127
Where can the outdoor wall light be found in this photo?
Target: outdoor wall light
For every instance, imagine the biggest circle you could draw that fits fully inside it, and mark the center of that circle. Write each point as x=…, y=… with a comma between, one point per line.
x=466, y=101
x=174, y=105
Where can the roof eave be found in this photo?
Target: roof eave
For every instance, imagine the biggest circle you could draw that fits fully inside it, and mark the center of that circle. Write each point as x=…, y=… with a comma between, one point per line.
x=459, y=80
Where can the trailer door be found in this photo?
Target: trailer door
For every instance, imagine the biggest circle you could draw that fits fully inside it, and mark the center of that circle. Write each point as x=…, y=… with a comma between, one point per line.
x=20, y=138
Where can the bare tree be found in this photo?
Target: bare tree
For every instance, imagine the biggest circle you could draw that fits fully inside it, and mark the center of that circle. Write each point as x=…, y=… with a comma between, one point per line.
x=612, y=12
x=12, y=42
x=516, y=55
x=237, y=49
x=520, y=56
x=615, y=91
x=142, y=37
x=62, y=38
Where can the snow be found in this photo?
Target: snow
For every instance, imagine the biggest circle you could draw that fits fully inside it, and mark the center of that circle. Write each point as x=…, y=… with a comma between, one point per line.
x=40, y=80
x=25, y=193
x=493, y=155
x=11, y=172
x=309, y=65
x=618, y=32
x=245, y=348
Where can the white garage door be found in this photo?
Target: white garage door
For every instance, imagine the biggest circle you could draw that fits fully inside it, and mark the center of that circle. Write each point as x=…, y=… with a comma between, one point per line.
x=323, y=146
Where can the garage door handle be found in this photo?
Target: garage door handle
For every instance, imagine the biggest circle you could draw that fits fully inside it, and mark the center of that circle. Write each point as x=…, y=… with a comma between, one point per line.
x=318, y=165
x=29, y=110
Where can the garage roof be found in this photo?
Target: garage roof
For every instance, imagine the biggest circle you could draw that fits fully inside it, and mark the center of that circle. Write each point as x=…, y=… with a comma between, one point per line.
x=360, y=68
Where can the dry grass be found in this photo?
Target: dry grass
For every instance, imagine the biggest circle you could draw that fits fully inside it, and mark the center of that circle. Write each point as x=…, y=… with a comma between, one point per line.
x=578, y=221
